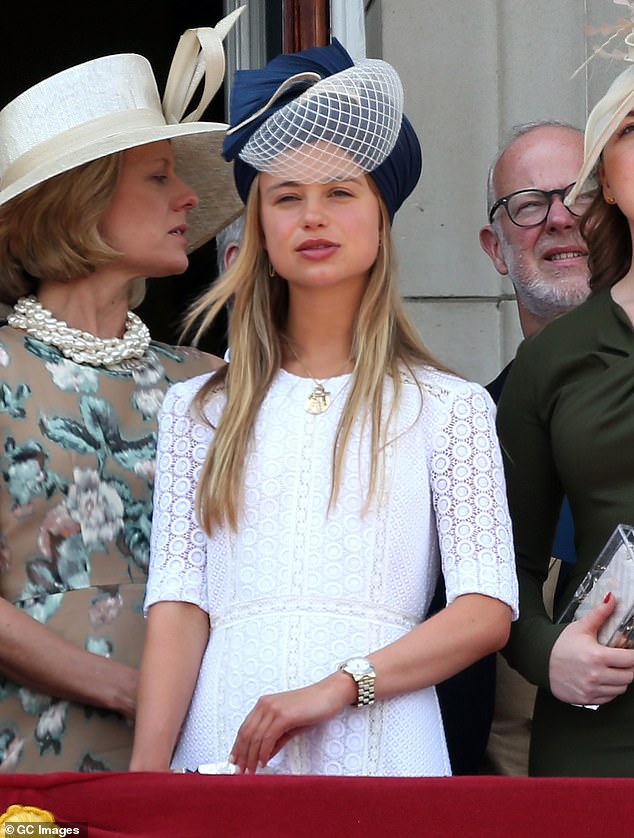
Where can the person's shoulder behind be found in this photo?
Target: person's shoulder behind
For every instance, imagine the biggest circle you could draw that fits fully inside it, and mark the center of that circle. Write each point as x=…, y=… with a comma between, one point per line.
x=575, y=329
x=560, y=353
x=188, y=360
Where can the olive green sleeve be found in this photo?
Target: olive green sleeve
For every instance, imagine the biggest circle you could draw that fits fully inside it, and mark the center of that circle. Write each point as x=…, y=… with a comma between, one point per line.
x=535, y=496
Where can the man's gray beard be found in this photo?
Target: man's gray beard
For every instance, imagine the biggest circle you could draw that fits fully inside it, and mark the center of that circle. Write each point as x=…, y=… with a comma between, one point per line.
x=546, y=300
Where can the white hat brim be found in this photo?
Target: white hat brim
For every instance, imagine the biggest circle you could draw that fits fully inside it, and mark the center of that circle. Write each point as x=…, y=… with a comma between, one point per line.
x=197, y=148
x=603, y=121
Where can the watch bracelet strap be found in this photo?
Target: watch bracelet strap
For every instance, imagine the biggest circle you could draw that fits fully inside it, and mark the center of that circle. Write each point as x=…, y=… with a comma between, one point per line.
x=365, y=692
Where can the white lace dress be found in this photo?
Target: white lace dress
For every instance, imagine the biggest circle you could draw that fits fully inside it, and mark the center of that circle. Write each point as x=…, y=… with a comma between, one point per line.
x=296, y=590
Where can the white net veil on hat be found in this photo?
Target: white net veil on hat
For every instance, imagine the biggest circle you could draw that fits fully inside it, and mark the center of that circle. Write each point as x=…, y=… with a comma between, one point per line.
x=343, y=125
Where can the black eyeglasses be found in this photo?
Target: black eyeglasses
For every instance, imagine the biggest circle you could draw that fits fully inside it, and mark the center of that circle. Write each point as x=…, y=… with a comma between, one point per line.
x=530, y=207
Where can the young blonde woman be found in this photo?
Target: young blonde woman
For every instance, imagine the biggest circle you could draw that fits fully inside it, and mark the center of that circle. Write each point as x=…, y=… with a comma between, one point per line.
x=94, y=198
x=309, y=492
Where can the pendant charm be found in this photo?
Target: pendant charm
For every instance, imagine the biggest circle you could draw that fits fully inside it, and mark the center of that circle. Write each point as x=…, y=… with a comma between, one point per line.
x=318, y=401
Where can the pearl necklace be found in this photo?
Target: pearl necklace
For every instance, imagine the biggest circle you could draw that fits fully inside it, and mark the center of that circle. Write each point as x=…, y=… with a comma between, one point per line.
x=30, y=315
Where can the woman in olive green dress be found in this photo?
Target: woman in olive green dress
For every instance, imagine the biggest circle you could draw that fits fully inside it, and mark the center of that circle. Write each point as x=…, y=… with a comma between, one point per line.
x=97, y=196
x=566, y=421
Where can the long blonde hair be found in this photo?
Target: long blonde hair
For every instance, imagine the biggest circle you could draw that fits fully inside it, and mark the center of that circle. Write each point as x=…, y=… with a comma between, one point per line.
x=384, y=342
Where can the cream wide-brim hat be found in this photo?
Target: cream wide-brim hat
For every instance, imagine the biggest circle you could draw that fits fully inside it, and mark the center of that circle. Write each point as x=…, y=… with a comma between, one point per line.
x=602, y=122
x=111, y=104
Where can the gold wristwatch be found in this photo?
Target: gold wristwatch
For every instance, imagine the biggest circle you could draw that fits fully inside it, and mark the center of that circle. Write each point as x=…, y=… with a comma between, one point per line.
x=363, y=673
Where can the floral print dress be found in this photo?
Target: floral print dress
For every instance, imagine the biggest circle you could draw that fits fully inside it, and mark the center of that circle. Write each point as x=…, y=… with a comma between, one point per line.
x=77, y=448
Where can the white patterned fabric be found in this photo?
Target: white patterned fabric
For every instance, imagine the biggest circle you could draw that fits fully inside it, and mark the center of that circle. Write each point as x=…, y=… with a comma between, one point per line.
x=296, y=590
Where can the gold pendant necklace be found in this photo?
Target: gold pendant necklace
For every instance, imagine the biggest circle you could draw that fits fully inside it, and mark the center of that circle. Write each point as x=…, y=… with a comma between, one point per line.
x=318, y=400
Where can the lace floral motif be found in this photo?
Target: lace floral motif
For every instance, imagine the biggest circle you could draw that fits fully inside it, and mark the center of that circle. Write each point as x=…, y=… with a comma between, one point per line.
x=296, y=589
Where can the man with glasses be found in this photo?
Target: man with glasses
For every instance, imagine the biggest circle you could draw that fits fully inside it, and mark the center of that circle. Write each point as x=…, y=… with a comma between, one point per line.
x=534, y=240
x=532, y=237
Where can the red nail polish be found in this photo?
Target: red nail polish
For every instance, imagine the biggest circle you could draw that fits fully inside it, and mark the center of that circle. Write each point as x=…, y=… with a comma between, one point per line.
x=607, y=596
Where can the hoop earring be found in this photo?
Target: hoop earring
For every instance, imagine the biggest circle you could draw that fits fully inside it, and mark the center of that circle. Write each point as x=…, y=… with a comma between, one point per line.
x=271, y=269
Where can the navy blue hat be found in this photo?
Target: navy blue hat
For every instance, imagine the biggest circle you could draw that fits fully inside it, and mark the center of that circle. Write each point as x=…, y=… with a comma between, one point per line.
x=368, y=104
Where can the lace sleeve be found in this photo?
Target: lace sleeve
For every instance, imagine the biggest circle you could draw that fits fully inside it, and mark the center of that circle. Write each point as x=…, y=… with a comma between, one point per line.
x=178, y=557
x=473, y=522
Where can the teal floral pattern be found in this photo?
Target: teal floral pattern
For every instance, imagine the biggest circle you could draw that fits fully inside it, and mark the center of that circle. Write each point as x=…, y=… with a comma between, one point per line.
x=77, y=447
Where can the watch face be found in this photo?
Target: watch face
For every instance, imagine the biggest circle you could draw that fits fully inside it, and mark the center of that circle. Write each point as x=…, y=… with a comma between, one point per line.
x=358, y=666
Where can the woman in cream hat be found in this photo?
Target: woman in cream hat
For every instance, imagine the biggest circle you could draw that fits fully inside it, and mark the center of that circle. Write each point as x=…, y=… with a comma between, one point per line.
x=101, y=185
x=311, y=490
x=565, y=421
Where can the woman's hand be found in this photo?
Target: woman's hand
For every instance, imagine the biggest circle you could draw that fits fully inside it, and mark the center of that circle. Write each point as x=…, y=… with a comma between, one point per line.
x=275, y=719
x=37, y=657
x=582, y=670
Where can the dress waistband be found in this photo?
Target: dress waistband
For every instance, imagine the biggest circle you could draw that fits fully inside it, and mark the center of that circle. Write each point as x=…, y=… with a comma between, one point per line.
x=311, y=605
